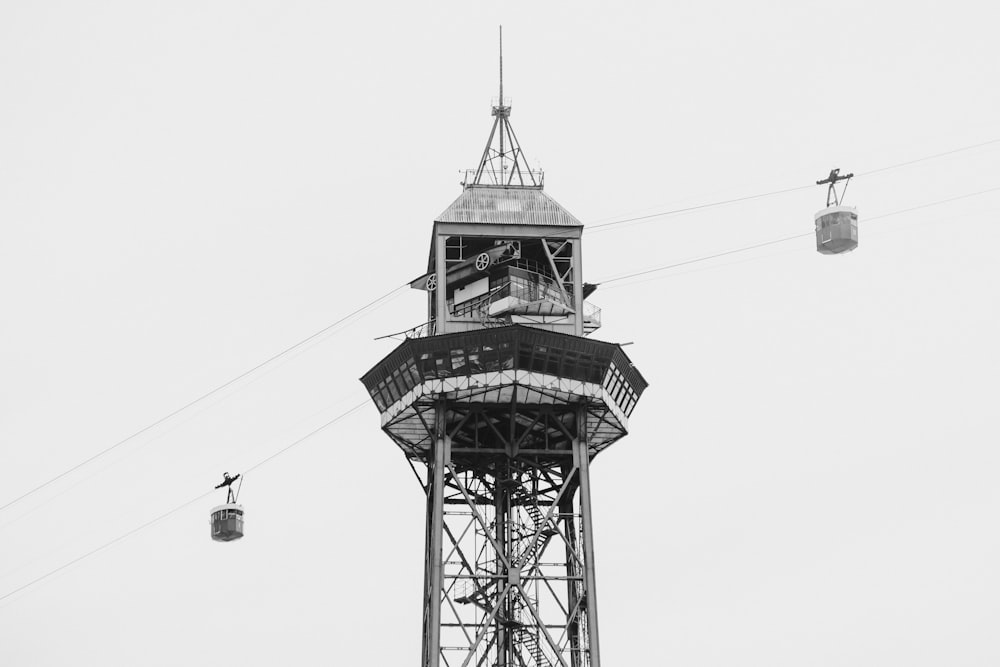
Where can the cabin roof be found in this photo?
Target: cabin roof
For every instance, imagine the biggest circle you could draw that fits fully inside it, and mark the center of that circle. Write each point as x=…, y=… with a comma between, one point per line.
x=499, y=205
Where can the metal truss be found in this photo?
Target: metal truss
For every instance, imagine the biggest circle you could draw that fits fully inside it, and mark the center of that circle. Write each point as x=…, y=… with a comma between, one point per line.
x=559, y=253
x=509, y=577
x=500, y=166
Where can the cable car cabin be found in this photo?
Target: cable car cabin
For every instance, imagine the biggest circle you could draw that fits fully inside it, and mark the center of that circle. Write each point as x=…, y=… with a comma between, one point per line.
x=836, y=230
x=227, y=522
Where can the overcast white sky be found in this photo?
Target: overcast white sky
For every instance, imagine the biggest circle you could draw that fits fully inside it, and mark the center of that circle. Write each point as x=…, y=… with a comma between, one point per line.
x=187, y=188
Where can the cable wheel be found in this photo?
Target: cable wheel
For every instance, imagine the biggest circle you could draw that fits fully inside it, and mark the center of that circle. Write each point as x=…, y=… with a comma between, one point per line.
x=482, y=261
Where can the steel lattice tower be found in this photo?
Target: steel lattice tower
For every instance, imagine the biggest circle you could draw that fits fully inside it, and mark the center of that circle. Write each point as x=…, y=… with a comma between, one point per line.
x=502, y=401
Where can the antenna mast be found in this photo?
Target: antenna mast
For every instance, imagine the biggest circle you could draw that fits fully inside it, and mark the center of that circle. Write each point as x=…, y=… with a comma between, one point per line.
x=501, y=65
x=501, y=104
x=507, y=146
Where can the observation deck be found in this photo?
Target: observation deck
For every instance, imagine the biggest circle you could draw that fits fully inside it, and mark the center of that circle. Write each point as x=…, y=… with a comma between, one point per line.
x=500, y=367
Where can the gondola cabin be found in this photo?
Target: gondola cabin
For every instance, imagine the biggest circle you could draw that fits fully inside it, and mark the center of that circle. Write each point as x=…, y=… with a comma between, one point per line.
x=227, y=522
x=836, y=230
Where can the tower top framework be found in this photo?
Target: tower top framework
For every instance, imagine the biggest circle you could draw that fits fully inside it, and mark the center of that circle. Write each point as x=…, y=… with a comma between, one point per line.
x=503, y=163
x=502, y=400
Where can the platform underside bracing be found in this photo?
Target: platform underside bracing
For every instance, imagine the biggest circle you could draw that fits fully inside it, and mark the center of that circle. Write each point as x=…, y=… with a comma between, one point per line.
x=525, y=412
x=509, y=551
x=503, y=422
x=501, y=379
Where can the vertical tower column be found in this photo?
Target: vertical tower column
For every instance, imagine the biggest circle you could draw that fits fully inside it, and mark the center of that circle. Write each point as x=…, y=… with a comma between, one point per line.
x=509, y=553
x=581, y=453
x=440, y=295
x=577, y=259
x=501, y=509
x=435, y=520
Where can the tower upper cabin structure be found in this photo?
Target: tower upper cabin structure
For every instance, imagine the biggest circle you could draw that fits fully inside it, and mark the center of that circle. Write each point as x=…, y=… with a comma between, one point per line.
x=505, y=252
x=501, y=400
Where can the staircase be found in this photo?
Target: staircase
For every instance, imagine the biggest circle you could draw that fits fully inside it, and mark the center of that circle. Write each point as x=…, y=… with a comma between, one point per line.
x=470, y=591
x=528, y=643
x=528, y=639
x=537, y=520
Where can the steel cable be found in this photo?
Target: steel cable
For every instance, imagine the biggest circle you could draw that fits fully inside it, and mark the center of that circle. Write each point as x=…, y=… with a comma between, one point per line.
x=390, y=293
x=204, y=396
x=592, y=227
x=787, y=238
x=159, y=518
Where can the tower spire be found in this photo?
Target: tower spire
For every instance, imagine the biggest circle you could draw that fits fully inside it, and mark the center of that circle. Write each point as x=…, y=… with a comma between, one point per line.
x=501, y=65
x=503, y=162
x=502, y=105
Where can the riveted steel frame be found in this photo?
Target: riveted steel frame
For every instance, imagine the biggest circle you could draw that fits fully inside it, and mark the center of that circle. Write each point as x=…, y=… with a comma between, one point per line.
x=565, y=242
x=509, y=557
x=504, y=424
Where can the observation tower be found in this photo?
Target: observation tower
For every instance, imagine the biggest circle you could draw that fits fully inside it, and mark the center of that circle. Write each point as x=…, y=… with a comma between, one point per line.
x=500, y=401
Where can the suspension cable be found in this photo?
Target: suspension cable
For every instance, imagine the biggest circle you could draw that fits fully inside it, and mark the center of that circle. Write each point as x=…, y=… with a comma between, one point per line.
x=371, y=304
x=159, y=518
x=390, y=293
x=601, y=226
x=788, y=238
x=723, y=202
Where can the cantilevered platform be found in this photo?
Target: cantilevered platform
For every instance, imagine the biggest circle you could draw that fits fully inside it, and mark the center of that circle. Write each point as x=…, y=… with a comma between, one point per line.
x=483, y=373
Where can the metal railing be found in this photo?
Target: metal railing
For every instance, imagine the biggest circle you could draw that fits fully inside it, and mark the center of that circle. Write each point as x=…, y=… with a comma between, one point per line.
x=534, y=288
x=533, y=266
x=420, y=331
x=528, y=177
x=591, y=315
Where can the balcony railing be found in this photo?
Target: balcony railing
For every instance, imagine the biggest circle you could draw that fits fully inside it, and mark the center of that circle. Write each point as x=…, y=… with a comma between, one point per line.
x=524, y=177
x=523, y=287
x=420, y=331
x=591, y=317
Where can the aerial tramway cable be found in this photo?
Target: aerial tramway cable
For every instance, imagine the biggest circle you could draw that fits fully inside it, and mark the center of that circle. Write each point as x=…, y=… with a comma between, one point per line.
x=926, y=157
x=371, y=304
x=697, y=207
x=598, y=227
x=385, y=296
x=363, y=403
x=787, y=238
x=198, y=498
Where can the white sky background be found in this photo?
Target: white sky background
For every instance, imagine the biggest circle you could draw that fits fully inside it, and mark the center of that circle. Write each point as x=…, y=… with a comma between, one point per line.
x=187, y=188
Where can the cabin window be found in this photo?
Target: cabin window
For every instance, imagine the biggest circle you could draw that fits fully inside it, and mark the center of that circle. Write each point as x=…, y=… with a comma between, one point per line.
x=506, y=356
x=426, y=365
x=458, y=361
x=552, y=365
x=406, y=376
x=391, y=390
x=397, y=382
x=411, y=368
x=524, y=356
x=442, y=364
x=475, y=361
x=571, y=365
x=616, y=386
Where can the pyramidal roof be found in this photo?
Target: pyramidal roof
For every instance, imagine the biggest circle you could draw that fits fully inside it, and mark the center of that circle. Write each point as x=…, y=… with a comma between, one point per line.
x=503, y=189
x=494, y=205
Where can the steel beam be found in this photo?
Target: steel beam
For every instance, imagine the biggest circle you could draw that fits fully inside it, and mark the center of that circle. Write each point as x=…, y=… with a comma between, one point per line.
x=435, y=566
x=510, y=565
x=589, y=577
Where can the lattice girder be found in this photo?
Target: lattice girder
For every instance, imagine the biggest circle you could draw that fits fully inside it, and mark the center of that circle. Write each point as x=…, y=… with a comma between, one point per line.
x=513, y=586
